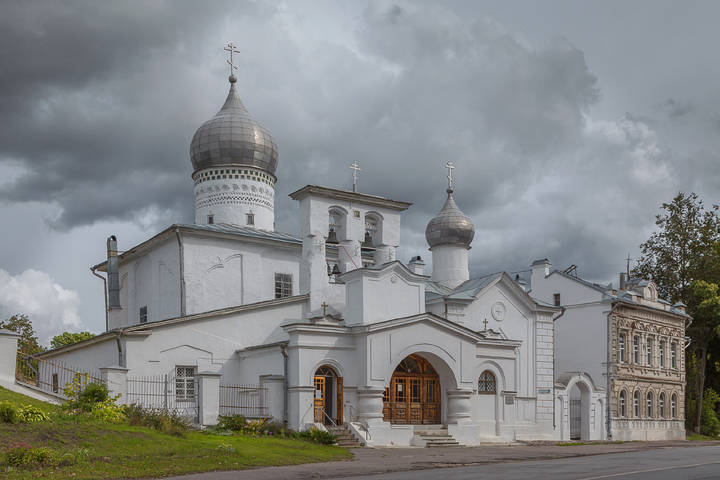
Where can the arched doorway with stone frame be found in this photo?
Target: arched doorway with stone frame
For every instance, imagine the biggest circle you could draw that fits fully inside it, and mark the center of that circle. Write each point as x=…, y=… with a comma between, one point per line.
x=328, y=396
x=414, y=394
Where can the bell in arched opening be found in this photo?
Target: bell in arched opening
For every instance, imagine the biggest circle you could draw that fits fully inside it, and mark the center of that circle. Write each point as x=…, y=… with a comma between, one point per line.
x=367, y=244
x=332, y=237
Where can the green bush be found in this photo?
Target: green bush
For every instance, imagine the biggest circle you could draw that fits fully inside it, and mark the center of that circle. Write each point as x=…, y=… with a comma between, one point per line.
x=31, y=414
x=108, y=411
x=92, y=393
x=162, y=420
x=8, y=412
x=316, y=435
x=710, y=422
x=236, y=423
x=274, y=428
x=22, y=455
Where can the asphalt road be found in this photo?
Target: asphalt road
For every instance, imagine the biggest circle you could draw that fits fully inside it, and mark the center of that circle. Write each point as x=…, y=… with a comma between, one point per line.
x=690, y=463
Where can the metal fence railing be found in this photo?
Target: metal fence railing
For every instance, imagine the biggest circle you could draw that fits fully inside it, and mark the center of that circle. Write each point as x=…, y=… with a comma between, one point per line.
x=51, y=375
x=250, y=401
x=164, y=392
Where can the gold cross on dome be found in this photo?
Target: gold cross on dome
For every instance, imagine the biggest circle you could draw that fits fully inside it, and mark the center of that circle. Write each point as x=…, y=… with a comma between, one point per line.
x=232, y=48
x=449, y=166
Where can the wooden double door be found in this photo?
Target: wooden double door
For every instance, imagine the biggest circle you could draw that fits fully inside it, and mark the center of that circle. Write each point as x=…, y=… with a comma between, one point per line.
x=328, y=397
x=413, y=396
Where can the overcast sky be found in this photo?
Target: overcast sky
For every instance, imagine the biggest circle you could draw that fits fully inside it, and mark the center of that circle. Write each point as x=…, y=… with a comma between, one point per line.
x=569, y=122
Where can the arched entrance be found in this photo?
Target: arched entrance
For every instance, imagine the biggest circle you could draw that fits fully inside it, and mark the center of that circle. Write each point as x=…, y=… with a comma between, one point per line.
x=328, y=398
x=413, y=396
x=579, y=412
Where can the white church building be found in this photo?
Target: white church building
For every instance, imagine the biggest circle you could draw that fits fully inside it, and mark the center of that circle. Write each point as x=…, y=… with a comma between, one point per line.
x=329, y=322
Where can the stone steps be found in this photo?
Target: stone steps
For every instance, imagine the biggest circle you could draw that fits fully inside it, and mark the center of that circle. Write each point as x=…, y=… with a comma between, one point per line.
x=436, y=436
x=345, y=437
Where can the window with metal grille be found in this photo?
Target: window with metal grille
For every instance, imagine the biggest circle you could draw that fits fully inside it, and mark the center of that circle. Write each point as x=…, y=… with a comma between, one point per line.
x=556, y=299
x=185, y=384
x=143, y=314
x=283, y=285
x=487, y=383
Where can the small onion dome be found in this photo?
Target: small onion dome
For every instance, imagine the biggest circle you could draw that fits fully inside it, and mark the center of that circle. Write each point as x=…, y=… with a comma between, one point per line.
x=232, y=138
x=450, y=226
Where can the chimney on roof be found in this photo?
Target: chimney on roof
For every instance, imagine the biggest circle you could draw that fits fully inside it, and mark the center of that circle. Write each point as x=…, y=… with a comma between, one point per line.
x=113, y=275
x=622, y=281
x=416, y=265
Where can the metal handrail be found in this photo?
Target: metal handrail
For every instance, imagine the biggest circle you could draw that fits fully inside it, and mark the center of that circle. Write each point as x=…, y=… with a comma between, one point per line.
x=363, y=424
x=328, y=417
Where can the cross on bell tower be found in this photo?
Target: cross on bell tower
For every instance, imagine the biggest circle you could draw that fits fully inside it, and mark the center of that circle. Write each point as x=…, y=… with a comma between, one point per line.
x=355, y=168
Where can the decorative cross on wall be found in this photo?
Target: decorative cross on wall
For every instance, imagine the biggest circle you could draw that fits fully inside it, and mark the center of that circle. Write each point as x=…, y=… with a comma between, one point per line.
x=232, y=48
x=324, y=307
x=449, y=166
x=485, y=322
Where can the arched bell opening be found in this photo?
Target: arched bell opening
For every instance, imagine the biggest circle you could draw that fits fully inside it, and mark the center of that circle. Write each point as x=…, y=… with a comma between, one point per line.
x=414, y=393
x=328, y=397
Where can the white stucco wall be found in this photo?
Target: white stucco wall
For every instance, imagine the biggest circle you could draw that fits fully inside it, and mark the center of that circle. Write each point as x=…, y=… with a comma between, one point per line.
x=152, y=280
x=225, y=272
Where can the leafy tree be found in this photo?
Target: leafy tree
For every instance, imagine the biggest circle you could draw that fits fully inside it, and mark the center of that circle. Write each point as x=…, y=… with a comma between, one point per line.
x=684, y=249
x=68, y=338
x=28, y=341
x=706, y=325
x=28, y=344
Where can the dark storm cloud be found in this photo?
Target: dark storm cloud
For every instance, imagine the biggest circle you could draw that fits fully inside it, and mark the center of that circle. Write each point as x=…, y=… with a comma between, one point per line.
x=100, y=100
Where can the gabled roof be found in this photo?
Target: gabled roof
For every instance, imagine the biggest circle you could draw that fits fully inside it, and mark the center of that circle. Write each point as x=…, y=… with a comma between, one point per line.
x=347, y=195
x=242, y=233
x=377, y=270
x=594, y=286
x=470, y=289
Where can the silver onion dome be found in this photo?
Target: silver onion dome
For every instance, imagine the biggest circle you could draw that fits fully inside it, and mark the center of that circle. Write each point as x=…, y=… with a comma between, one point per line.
x=231, y=137
x=450, y=226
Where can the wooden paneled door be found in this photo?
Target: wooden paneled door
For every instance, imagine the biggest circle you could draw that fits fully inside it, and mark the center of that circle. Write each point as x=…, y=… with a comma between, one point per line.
x=325, y=406
x=413, y=396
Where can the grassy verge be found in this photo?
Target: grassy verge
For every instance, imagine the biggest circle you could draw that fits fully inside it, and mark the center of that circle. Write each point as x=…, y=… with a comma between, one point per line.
x=105, y=450
x=696, y=437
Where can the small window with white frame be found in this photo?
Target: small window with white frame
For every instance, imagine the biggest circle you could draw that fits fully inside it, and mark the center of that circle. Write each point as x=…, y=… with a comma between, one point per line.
x=661, y=353
x=636, y=350
x=143, y=314
x=556, y=299
x=621, y=347
x=211, y=219
x=648, y=352
x=283, y=285
x=184, y=384
x=250, y=218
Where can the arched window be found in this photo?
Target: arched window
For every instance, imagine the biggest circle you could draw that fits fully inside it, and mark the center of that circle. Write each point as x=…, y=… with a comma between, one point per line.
x=487, y=384
x=673, y=406
x=636, y=404
x=623, y=404
x=661, y=405
x=649, y=402
x=336, y=224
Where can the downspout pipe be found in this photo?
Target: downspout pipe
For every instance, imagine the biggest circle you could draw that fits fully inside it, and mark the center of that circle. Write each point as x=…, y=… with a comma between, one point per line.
x=107, y=315
x=121, y=350
x=562, y=312
x=181, y=251
x=283, y=352
x=609, y=372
